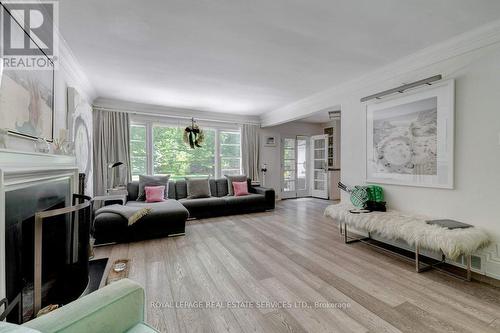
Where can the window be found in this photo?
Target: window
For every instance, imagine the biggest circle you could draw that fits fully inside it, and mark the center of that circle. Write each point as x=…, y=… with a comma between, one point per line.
x=171, y=156
x=138, y=150
x=230, y=153
x=159, y=149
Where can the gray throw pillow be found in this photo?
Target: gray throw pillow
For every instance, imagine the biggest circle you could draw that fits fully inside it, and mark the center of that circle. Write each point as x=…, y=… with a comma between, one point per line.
x=231, y=179
x=198, y=188
x=152, y=181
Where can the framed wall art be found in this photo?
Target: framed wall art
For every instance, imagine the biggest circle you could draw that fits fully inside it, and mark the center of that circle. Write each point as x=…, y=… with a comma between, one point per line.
x=410, y=138
x=27, y=100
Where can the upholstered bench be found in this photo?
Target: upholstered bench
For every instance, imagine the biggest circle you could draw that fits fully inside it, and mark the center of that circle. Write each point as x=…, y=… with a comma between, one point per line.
x=412, y=229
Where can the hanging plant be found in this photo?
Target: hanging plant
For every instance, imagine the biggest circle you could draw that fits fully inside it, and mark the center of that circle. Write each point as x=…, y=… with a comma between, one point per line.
x=193, y=135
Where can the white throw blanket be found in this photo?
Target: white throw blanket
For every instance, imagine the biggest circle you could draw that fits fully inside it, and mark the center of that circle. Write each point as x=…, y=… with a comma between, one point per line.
x=413, y=229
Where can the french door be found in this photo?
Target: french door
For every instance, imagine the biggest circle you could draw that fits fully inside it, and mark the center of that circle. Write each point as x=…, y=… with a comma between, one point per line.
x=294, y=174
x=319, y=161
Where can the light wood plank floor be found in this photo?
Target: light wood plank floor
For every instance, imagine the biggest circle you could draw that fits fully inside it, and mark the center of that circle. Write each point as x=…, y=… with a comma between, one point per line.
x=296, y=257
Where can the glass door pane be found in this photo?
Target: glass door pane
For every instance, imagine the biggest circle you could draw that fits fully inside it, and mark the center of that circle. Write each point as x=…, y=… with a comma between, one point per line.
x=319, y=162
x=289, y=167
x=301, y=163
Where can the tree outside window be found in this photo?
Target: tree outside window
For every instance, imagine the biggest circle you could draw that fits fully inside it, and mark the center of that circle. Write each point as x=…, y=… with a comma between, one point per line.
x=168, y=154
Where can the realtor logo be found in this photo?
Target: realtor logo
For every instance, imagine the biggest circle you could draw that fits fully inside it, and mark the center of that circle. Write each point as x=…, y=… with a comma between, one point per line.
x=28, y=34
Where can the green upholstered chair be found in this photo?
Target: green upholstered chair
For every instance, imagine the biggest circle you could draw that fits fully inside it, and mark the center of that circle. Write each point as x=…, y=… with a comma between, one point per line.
x=116, y=308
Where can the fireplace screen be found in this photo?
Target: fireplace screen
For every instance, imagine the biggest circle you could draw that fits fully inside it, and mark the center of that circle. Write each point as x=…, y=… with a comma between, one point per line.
x=63, y=265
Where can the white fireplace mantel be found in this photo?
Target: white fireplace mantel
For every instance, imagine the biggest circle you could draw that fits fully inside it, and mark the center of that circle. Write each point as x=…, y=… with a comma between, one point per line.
x=20, y=169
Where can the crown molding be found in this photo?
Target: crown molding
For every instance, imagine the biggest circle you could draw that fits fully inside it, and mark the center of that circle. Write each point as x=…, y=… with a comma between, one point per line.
x=149, y=110
x=403, y=69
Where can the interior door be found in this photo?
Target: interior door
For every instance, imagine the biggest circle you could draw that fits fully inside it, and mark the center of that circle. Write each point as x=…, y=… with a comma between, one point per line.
x=295, y=182
x=319, y=162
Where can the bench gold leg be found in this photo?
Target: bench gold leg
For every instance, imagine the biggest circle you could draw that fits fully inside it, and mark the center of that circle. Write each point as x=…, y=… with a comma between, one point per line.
x=468, y=276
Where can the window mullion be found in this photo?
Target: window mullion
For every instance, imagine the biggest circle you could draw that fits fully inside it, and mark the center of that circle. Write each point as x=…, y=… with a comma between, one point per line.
x=217, y=154
x=149, y=140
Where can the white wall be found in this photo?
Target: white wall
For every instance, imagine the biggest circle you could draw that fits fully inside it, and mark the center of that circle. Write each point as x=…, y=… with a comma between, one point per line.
x=476, y=70
x=272, y=155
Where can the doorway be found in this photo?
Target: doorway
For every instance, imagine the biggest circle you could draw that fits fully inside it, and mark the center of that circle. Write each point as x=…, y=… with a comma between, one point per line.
x=294, y=166
x=319, y=158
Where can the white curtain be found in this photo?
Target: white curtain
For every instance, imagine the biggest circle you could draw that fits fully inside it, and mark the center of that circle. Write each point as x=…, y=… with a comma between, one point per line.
x=111, y=144
x=250, y=150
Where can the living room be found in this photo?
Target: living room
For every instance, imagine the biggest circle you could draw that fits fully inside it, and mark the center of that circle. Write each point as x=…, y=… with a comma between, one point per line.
x=269, y=166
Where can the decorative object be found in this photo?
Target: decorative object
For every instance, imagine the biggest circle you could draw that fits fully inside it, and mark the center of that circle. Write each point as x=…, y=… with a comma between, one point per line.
x=154, y=193
x=359, y=194
x=198, y=188
x=119, y=267
x=240, y=189
x=234, y=178
x=42, y=146
x=270, y=141
x=131, y=214
x=47, y=309
x=152, y=181
x=114, y=275
x=80, y=135
x=193, y=135
x=27, y=98
x=410, y=138
x=4, y=137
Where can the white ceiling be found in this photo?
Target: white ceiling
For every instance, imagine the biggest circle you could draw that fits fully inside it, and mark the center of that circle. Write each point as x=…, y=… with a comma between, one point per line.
x=249, y=57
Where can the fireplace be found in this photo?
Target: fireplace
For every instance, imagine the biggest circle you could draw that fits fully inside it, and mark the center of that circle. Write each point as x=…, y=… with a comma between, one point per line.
x=64, y=264
x=33, y=182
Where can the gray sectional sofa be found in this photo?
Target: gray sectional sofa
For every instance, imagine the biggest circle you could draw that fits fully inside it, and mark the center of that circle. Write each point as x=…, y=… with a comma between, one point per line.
x=168, y=218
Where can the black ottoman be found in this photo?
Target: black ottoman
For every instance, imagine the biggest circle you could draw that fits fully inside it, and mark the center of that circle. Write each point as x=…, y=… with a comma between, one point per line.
x=166, y=219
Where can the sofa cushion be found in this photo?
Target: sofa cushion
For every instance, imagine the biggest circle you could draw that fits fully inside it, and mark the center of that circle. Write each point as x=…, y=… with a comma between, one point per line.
x=180, y=189
x=204, y=206
x=203, y=202
x=240, y=188
x=198, y=188
x=133, y=190
x=221, y=187
x=234, y=178
x=154, y=193
x=145, y=180
x=246, y=201
x=213, y=187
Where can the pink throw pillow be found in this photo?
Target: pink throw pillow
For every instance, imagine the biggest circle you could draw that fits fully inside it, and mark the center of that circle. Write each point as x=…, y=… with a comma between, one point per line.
x=154, y=193
x=240, y=188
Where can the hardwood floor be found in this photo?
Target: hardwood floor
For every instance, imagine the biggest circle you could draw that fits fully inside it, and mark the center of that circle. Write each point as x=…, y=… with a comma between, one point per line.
x=295, y=256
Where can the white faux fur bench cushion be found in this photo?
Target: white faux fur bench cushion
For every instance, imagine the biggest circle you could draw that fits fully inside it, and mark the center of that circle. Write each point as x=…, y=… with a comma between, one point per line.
x=413, y=229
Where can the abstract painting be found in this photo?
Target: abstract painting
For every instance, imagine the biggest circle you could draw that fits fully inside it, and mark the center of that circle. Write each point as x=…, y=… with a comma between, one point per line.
x=80, y=133
x=27, y=102
x=410, y=139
